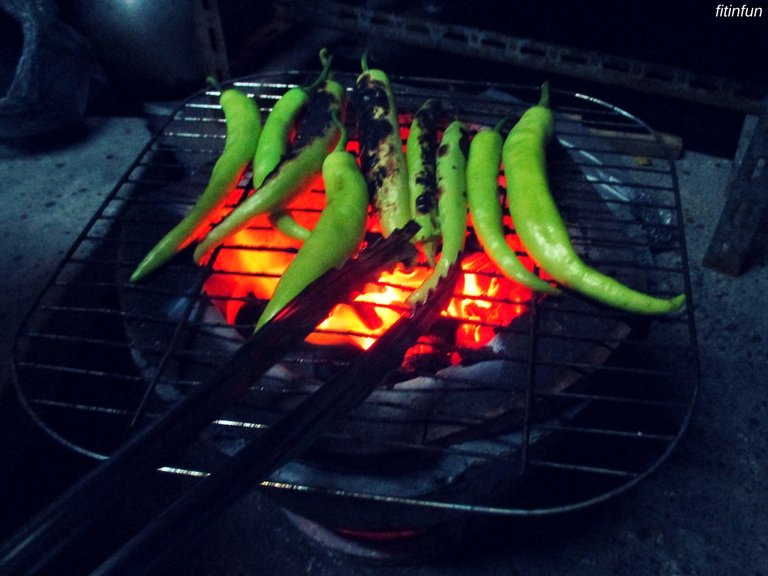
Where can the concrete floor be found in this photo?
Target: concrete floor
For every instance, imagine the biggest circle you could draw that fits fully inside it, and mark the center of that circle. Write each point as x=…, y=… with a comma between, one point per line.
x=704, y=512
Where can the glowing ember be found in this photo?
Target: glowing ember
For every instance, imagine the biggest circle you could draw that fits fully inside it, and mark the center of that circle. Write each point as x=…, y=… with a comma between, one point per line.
x=249, y=266
x=372, y=312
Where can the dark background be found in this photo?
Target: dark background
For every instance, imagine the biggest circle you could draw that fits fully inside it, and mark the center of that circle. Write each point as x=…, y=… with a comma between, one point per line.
x=160, y=63
x=717, y=475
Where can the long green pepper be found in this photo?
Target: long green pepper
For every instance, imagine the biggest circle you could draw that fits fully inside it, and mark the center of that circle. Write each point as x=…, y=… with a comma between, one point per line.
x=295, y=171
x=451, y=204
x=273, y=145
x=483, y=166
x=381, y=148
x=421, y=159
x=243, y=129
x=540, y=225
x=337, y=234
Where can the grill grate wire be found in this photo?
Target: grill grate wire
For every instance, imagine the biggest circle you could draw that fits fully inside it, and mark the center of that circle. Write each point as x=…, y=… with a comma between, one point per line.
x=97, y=358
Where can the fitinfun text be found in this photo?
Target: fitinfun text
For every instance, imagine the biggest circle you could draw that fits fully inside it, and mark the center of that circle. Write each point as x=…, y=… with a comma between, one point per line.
x=731, y=11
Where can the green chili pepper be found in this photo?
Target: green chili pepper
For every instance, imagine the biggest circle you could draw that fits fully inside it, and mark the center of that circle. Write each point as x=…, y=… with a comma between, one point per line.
x=420, y=155
x=284, y=222
x=541, y=227
x=273, y=144
x=338, y=232
x=243, y=122
x=315, y=139
x=451, y=205
x=483, y=166
x=381, y=148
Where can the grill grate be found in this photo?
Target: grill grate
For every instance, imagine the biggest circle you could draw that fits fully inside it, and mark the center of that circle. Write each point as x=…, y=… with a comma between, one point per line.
x=574, y=403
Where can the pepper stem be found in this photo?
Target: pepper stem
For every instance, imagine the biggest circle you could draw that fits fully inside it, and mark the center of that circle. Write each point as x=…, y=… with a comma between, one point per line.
x=364, y=61
x=342, y=143
x=544, y=100
x=213, y=82
x=325, y=61
x=500, y=124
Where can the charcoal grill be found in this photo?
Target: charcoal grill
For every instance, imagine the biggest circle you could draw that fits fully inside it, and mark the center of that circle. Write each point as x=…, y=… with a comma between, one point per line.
x=555, y=405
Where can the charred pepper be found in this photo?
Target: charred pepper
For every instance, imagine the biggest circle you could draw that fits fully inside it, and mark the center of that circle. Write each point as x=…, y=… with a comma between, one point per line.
x=421, y=158
x=381, y=148
x=273, y=145
x=280, y=121
x=316, y=137
x=451, y=204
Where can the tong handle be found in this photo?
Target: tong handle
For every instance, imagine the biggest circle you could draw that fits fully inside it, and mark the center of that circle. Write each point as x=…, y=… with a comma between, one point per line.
x=87, y=508
x=279, y=443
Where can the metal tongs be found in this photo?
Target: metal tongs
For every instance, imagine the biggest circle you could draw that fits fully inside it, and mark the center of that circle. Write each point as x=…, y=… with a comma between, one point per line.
x=85, y=510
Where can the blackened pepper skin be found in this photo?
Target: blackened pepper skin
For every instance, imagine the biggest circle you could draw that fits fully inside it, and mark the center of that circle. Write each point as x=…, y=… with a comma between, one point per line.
x=274, y=145
x=451, y=204
x=281, y=120
x=299, y=167
x=421, y=157
x=381, y=149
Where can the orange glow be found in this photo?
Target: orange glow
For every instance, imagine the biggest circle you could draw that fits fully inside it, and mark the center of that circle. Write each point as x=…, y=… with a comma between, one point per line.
x=371, y=312
x=488, y=301
x=249, y=266
x=483, y=300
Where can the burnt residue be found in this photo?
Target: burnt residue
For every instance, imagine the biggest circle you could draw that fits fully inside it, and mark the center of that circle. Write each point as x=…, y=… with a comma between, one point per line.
x=316, y=120
x=371, y=94
x=427, y=201
x=426, y=118
x=377, y=175
x=314, y=124
x=463, y=142
x=377, y=131
x=374, y=137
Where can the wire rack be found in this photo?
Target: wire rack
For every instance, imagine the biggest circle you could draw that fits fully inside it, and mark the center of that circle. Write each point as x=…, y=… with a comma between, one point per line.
x=570, y=404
